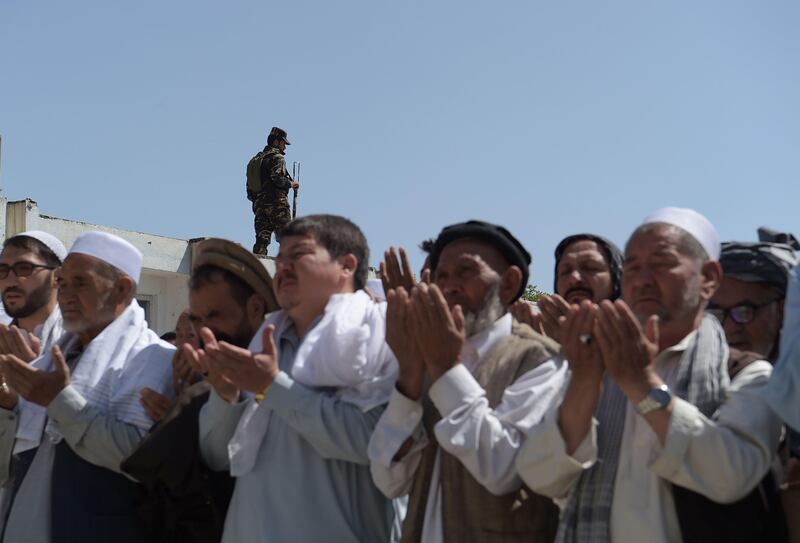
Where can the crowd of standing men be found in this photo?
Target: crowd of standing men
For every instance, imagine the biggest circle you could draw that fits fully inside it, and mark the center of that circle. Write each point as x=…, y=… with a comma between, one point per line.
x=652, y=397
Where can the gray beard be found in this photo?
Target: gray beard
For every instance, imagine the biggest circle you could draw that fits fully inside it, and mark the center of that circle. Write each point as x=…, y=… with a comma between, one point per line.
x=691, y=299
x=491, y=310
x=82, y=325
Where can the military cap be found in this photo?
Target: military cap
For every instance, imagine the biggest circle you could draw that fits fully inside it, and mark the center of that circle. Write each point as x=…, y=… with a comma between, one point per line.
x=234, y=258
x=280, y=134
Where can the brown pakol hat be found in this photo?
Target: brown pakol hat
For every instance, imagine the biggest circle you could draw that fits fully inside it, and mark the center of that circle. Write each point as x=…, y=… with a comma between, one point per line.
x=240, y=262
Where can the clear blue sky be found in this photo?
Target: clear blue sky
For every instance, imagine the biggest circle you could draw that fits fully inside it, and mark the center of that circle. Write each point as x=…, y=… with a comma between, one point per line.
x=548, y=117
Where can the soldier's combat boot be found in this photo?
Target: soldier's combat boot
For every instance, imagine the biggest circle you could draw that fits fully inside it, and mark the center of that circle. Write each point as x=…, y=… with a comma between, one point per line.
x=260, y=249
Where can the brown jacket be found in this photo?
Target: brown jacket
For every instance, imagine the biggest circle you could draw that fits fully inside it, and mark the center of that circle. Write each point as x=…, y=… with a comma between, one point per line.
x=470, y=513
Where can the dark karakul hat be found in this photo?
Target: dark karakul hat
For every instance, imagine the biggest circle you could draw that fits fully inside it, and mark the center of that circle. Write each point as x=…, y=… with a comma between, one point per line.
x=497, y=236
x=279, y=133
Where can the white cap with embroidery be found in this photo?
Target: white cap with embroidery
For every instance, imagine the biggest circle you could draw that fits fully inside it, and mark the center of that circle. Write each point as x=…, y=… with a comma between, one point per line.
x=49, y=241
x=112, y=250
x=693, y=222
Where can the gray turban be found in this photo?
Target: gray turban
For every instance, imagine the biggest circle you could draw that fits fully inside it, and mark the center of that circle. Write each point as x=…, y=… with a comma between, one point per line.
x=767, y=261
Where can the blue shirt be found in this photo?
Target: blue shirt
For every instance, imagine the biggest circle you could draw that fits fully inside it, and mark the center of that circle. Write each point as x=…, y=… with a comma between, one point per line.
x=311, y=480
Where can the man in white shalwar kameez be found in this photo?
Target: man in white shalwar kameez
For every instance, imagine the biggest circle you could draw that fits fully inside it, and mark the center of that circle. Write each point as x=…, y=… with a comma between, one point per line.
x=82, y=405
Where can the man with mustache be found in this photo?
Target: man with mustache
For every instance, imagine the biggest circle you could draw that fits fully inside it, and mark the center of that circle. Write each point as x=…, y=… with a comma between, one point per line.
x=472, y=381
x=28, y=285
x=230, y=291
x=278, y=419
x=651, y=435
x=588, y=267
x=79, y=404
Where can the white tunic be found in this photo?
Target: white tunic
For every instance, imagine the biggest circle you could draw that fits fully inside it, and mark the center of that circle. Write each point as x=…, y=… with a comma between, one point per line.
x=722, y=459
x=485, y=440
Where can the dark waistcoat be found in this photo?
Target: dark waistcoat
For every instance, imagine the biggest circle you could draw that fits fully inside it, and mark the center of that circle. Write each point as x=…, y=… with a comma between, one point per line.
x=91, y=504
x=470, y=513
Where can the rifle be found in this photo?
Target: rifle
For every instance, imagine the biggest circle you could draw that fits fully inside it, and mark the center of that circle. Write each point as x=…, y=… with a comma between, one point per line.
x=295, y=177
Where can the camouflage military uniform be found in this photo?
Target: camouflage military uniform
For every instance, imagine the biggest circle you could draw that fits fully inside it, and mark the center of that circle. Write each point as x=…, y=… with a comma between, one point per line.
x=271, y=204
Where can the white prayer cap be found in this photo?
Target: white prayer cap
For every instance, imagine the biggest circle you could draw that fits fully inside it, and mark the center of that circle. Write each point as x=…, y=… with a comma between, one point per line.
x=49, y=241
x=112, y=250
x=693, y=222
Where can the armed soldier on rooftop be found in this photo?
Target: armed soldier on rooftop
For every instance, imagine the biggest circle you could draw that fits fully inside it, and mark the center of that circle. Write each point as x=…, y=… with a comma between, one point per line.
x=268, y=184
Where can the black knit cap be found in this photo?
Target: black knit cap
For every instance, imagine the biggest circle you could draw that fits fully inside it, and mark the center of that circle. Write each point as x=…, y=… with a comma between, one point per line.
x=497, y=236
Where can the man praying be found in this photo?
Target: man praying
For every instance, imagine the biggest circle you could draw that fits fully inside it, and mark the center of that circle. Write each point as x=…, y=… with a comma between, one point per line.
x=81, y=407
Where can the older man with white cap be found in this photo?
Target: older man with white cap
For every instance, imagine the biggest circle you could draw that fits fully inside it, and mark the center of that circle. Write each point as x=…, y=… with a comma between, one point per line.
x=81, y=404
x=652, y=436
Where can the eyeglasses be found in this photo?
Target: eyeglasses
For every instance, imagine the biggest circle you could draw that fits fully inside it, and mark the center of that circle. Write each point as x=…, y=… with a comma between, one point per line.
x=21, y=269
x=740, y=314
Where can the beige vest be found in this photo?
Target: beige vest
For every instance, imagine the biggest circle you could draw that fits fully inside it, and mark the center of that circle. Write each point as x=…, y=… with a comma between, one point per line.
x=470, y=513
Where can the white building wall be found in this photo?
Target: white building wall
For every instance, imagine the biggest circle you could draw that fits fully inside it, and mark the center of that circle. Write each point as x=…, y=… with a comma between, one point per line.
x=166, y=264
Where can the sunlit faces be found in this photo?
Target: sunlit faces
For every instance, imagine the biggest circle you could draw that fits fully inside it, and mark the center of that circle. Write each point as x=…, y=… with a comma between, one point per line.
x=306, y=275
x=659, y=279
x=214, y=306
x=85, y=295
x=757, y=303
x=472, y=274
x=23, y=296
x=584, y=273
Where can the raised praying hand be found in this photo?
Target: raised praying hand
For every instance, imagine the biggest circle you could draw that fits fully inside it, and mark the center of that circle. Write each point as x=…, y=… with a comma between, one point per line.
x=579, y=345
x=231, y=368
x=438, y=329
x=551, y=309
x=20, y=343
x=396, y=272
x=400, y=338
x=628, y=350
x=202, y=364
x=35, y=385
x=157, y=405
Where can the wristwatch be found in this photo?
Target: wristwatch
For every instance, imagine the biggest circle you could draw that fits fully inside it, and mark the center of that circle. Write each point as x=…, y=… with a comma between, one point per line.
x=658, y=398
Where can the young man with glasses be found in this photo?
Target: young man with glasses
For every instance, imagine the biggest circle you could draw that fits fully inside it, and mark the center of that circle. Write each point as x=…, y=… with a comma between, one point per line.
x=28, y=287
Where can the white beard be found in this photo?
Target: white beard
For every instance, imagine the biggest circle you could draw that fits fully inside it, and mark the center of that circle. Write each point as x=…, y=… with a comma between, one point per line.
x=491, y=310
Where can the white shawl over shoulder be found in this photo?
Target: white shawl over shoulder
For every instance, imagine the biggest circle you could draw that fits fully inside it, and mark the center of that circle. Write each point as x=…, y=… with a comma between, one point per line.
x=346, y=351
x=113, y=369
